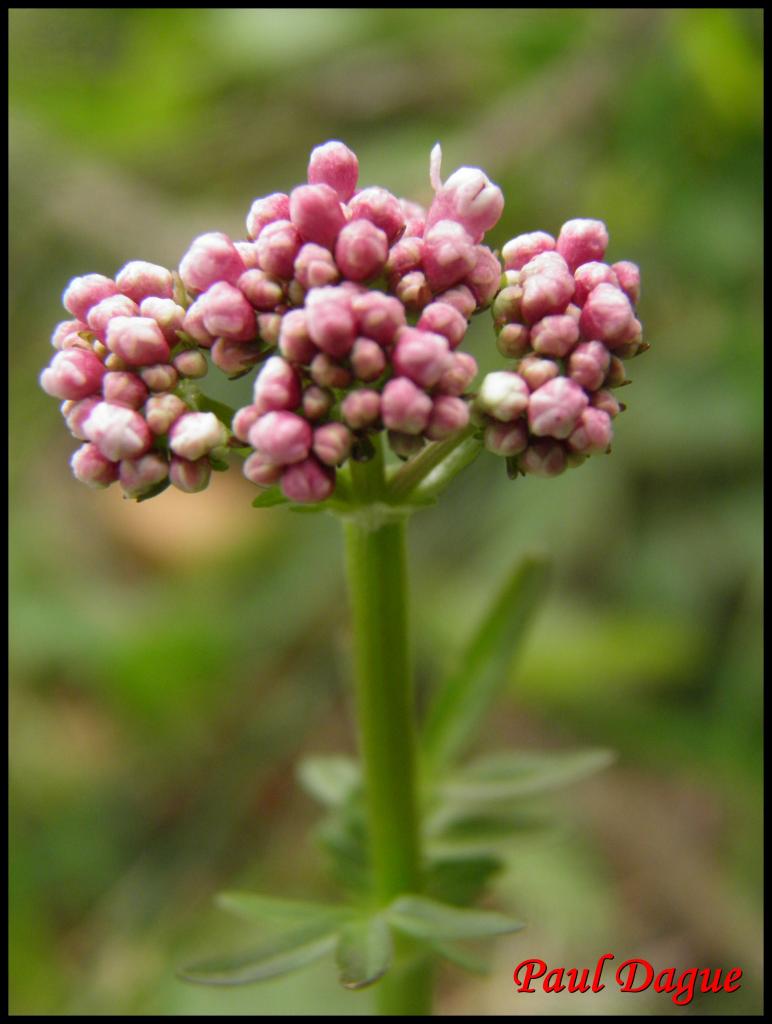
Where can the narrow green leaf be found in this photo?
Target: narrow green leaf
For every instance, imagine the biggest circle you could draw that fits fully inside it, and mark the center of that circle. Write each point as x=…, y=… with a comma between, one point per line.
x=223, y=412
x=427, y=919
x=462, y=957
x=268, y=498
x=155, y=490
x=280, y=955
x=502, y=777
x=364, y=952
x=252, y=906
x=332, y=780
x=460, y=879
x=481, y=672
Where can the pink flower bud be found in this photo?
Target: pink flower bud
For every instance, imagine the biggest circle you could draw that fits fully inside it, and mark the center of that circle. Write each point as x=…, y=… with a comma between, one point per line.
x=506, y=439
x=405, y=407
x=282, y=437
x=195, y=434
x=190, y=363
x=161, y=377
x=549, y=264
x=100, y=315
x=244, y=420
x=263, y=292
x=361, y=408
x=544, y=295
x=307, y=481
x=378, y=316
x=118, y=432
x=277, y=248
x=449, y=415
x=484, y=279
x=405, y=445
x=421, y=356
x=315, y=266
x=589, y=276
x=211, y=258
x=440, y=318
x=415, y=218
x=248, y=253
x=91, y=467
x=316, y=402
x=593, y=432
x=277, y=386
x=413, y=291
x=193, y=324
x=138, y=475
x=331, y=322
x=258, y=470
x=448, y=255
x=582, y=241
x=137, y=340
x=518, y=251
x=381, y=208
x=607, y=316
x=162, y=410
x=404, y=257
x=316, y=212
x=268, y=327
x=460, y=298
x=367, y=358
x=227, y=313
x=588, y=364
x=536, y=372
x=188, y=476
x=513, y=340
x=334, y=164
x=332, y=443
x=139, y=280
x=73, y=373
x=124, y=388
x=327, y=373
x=555, y=407
x=167, y=314
x=607, y=402
x=294, y=340
x=265, y=211
x=76, y=413
x=543, y=458
x=84, y=292
x=459, y=375
x=469, y=198
x=66, y=335
x=554, y=335
x=629, y=277
x=361, y=250
x=503, y=395
x=236, y=357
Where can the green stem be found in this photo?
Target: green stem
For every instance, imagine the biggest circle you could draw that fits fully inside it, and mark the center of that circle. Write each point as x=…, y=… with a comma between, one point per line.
x=409, y=476
x=377, y=575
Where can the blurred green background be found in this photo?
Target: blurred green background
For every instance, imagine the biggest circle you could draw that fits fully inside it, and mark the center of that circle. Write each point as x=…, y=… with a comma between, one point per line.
x=172, y=661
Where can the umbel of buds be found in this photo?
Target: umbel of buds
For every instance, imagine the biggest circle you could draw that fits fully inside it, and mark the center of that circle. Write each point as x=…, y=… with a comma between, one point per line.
x=351, y=306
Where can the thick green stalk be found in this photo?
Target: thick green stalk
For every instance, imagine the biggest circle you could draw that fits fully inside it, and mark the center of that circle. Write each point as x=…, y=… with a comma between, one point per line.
x=377, y=575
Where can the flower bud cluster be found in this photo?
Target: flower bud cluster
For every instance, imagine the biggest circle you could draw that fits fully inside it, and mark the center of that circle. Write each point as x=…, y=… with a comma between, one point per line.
x=121, y=369
x=568, y=320
x=356, y=303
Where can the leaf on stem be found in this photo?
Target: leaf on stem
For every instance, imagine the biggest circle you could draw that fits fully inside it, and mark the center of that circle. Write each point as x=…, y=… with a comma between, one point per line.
x=252, y=906
x=510, y=776
x=223, y=412
x=482, y=669
x=364, y=951
x=281, y=954
x=331, y=780
x=428, y=919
